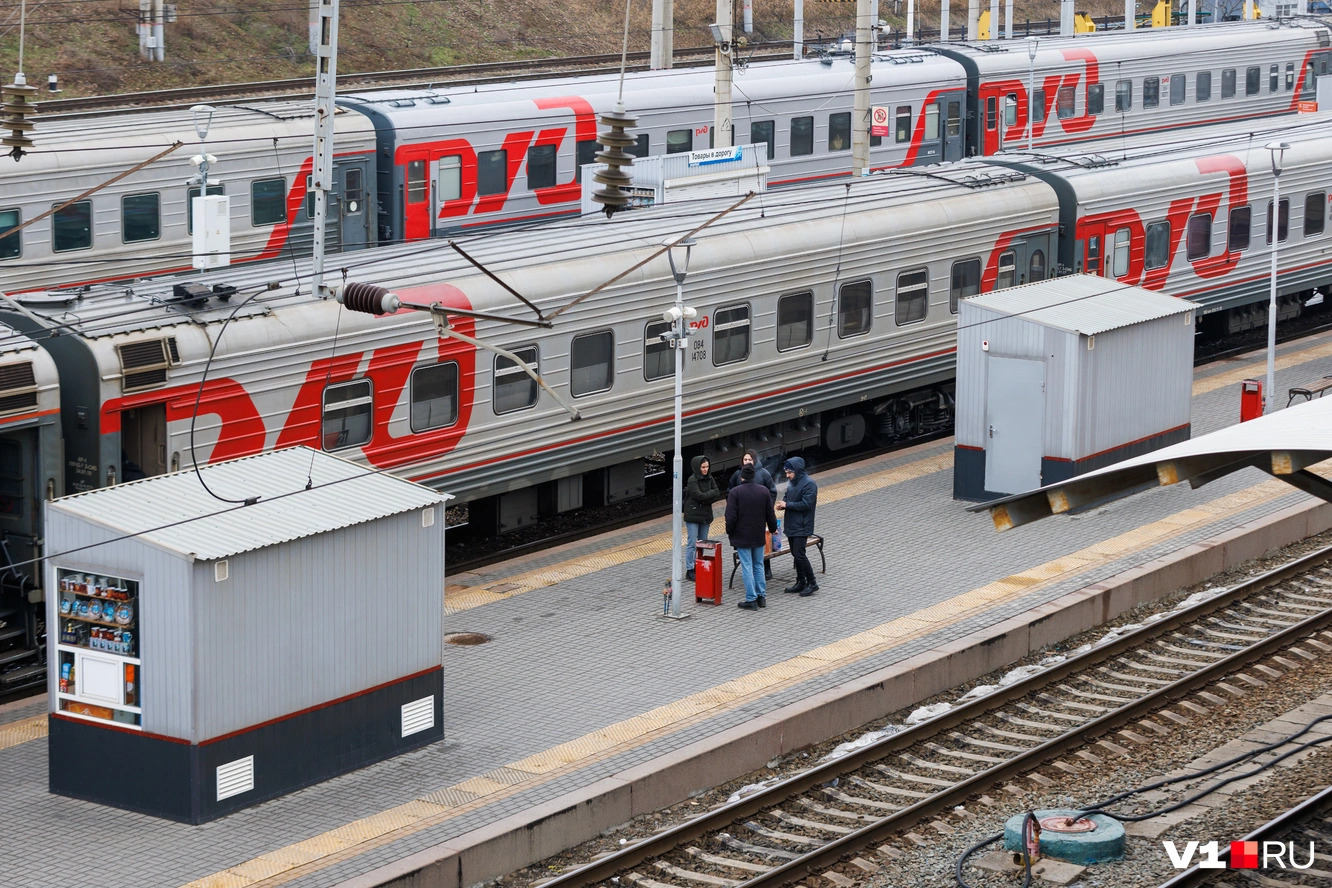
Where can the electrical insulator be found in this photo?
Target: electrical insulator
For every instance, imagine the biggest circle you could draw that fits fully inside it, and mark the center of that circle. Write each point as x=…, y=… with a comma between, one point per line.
x=17, y=113
x=614, y=196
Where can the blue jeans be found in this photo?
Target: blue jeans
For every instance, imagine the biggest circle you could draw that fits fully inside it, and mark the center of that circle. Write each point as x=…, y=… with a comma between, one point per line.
x=751, y=569
x=696, y=532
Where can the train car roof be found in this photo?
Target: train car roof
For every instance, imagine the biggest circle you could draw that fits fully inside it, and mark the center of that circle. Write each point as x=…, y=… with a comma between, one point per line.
x=112, y=309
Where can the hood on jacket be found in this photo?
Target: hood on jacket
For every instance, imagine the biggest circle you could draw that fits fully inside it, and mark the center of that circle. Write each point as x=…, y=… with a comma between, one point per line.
x=794, y=464
x=697, y=465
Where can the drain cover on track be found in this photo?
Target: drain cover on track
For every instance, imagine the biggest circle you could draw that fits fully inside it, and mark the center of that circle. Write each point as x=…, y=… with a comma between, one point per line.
x=466, y=638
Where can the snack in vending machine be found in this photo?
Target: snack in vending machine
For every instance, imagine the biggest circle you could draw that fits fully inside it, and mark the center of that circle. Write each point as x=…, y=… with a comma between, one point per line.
x=65, y=669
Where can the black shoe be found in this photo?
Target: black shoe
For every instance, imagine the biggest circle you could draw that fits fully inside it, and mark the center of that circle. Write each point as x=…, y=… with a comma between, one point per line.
x=763, y=601
x=767, y=572
x=748, y=605
x=689, y=575
x=809, y=590
x=798, y=587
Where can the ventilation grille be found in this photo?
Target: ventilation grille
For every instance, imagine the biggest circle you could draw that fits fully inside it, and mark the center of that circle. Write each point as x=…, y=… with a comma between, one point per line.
x=418, y=716
x=144, y=364
x=221, y=570
x=427, y=517
x=18, y=387
x=234, y=778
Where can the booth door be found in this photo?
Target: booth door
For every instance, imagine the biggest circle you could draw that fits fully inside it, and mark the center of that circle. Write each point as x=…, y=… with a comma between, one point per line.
x=1015, y=420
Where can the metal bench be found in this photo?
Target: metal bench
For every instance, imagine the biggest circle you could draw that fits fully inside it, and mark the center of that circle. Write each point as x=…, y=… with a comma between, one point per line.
x=812, y=540
x=1308, y=391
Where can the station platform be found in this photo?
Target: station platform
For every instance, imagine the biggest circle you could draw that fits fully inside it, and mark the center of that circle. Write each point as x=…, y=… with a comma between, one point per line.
x=586, y=707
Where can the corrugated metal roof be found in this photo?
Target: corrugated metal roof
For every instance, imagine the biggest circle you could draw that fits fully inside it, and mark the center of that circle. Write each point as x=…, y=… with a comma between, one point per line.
x=176, y=512
x=1283, y=443
x=1083, y=303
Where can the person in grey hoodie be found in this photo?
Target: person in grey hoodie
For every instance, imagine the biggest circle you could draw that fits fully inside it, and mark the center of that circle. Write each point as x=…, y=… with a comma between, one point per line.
x=701, y=491
x=802, y=495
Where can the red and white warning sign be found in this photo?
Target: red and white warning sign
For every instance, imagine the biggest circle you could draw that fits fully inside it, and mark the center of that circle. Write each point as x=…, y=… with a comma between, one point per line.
x=879, y=120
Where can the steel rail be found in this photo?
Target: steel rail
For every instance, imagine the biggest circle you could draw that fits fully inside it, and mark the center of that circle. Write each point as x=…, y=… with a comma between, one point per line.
x=821, y=858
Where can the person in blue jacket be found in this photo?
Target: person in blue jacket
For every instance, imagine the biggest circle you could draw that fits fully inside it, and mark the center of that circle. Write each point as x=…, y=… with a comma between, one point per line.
x=802, y=496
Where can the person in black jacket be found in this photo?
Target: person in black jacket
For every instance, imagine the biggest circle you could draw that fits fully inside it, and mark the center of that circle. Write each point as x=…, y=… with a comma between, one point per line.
x=749, y=513
x=701, y=491
x=802, y=495
x=761, y=476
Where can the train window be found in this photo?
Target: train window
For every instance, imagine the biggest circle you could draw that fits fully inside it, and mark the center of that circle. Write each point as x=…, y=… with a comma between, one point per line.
x=1036, y=266
x=1093, y=257
x=1010, y=109
x=903, y=123
x=1273, y=78
x=1202, y=87
x=931, y=122
x=592, y=363
x=1198, y=237
x=1283, y=220
x=540, y=166
x=913, y=296
x=140, y=217
x=839, y=131
x=953, y=119
x=1156, y=245
x=1123, y=96
x=586, y=152
x=764, y=131
x=1252, y=78
x=991, y=112
x=1315, y=213
x=1065, y=103
x=353, y=192
x=875, y=141
x=1038, y=110
x=1179, y=85
x=1120, y=260
x=640, y=148
x=802, y=136
x=730, y=335
x=1151, y=92
x=1007, y=276
x=513, y=388
x=450, y=179
x=416, y=180
x=71, y=227
x=347, y=415
x=268, y=201
x=190, y=194
x=1290, y=76
x=1228, y=83
x=11, y=246
x=434, y=396
x=855, y=308
x=795, y=320
x=1238, y=237
x=679, y=141
x=966, y=282
x=12, y=473
x=1096, y=98
x=492, y=171
x=658, y=356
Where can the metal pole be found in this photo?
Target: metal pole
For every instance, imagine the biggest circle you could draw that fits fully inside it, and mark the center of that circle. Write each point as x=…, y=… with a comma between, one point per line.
x=677, y=463
x=1032, y=43
x=326, y=80
x=798, y=30
x=1274, y=220
x=860, y=159
x=159, y=31
x=721, y=109
x=943, y=21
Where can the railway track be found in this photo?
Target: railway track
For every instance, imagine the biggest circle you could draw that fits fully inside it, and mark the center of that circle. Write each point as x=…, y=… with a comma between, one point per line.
x=303, y=87
x=829, y=818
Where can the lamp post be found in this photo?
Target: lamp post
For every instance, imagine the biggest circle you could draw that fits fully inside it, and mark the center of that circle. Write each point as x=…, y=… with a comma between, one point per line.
x=678, y=316
x=1032, y=43
x=203, y=117
x=1278, y=149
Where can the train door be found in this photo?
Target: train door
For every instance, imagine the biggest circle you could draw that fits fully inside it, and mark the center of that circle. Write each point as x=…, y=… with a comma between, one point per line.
x=931, y=141
x=20, y=510
x=954, y=139
x=355, y=217
x=143, y=443
x=1090, y=255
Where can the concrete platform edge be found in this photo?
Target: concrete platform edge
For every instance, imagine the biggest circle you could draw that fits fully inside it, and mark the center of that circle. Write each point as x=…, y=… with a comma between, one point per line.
x=521, y=839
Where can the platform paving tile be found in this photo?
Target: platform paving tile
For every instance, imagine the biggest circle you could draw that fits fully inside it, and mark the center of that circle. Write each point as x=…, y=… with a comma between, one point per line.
x=569, y=659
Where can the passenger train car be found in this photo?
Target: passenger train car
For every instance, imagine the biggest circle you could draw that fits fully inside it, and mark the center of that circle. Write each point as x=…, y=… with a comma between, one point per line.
x=825, y=315
x=413, y=164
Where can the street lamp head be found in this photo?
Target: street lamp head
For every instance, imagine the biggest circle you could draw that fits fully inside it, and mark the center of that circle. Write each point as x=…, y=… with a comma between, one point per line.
x=682, y=247
x=203, y=116
x=1278, y=149
x=1032, y=43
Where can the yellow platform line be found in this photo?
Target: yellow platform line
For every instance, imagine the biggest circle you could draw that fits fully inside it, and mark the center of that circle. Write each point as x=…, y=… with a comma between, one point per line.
x=23, y=731
x=293, y=861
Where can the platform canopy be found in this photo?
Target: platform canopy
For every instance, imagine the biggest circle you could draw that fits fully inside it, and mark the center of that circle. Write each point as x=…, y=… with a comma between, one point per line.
x=1283, y=444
